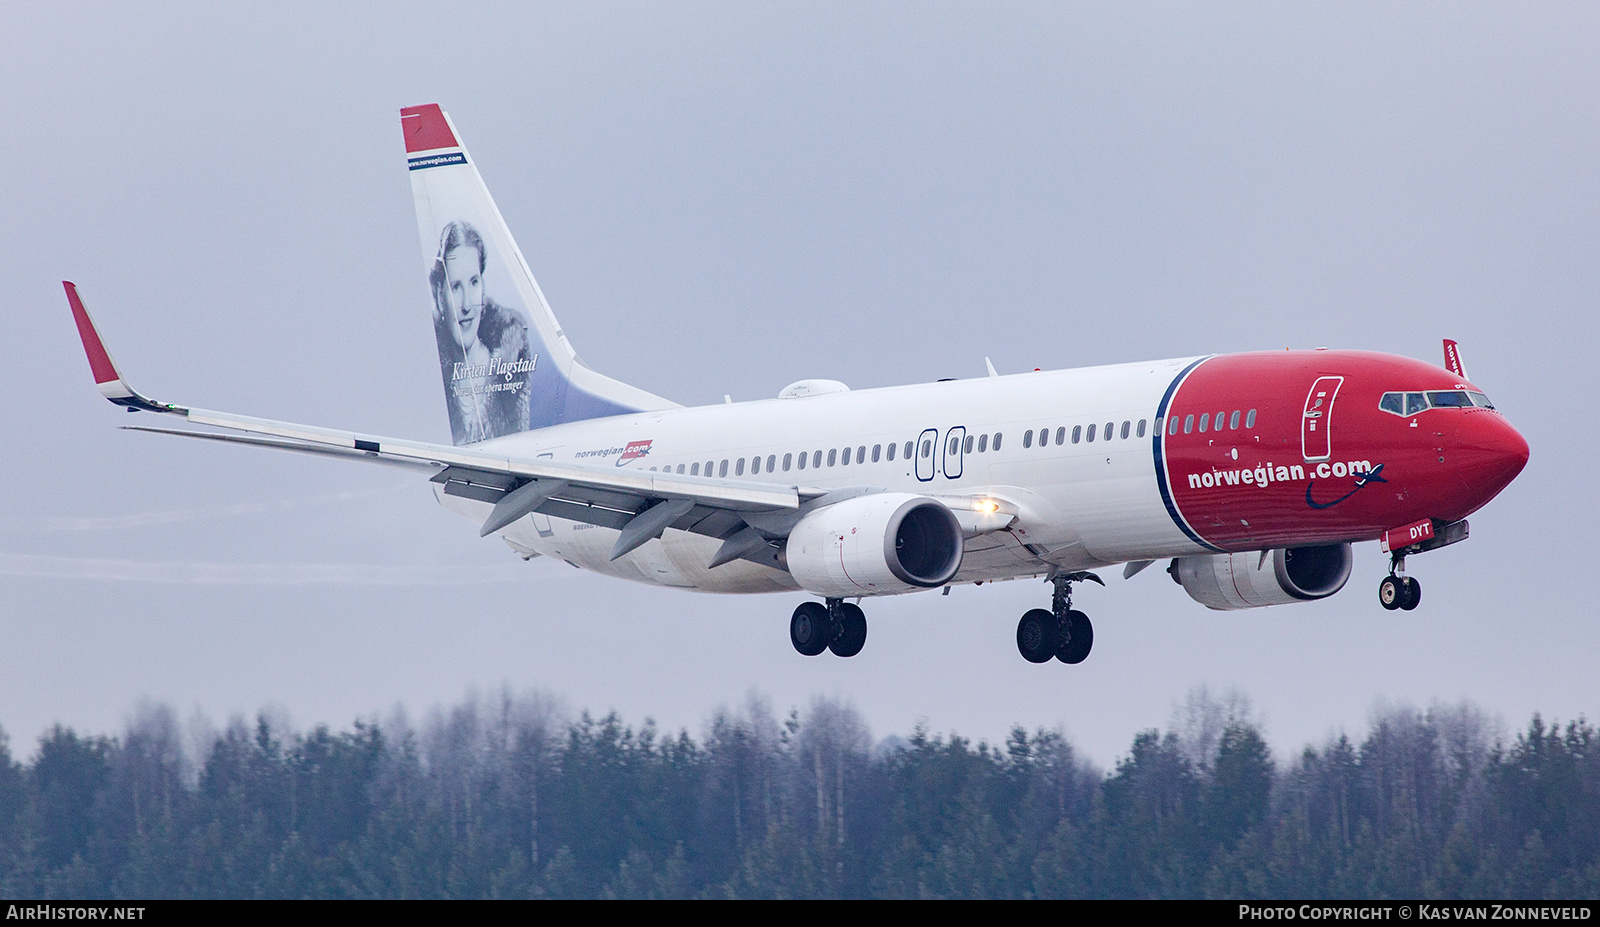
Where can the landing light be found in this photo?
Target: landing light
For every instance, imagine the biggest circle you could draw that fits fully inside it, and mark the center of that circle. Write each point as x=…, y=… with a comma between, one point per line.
x=986, y=506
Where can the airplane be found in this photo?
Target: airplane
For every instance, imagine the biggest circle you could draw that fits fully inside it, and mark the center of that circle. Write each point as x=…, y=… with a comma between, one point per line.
x=1252, y=474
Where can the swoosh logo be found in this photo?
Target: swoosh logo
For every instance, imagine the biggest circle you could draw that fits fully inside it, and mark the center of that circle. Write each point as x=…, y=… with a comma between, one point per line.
x=1375, y=475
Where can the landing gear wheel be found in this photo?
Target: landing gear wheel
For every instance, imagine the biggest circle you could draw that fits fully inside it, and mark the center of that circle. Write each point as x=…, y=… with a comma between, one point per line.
x=1410, y=593
x=852, y=631
x=1077, y=638
x=1037, y=637
x=810, y=628
x=1389, y=592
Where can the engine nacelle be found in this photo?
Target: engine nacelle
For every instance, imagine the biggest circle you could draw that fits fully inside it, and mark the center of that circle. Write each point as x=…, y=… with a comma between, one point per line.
x=880, y=543
x=1251, y=580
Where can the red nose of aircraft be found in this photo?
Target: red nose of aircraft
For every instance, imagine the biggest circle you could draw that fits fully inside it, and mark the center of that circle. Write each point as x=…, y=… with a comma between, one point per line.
x=1486, y=455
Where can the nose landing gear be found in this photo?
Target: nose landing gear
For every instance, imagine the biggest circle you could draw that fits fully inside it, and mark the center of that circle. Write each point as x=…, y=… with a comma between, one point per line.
x=1061, y=632
x=1398, y=590
x=838, y=626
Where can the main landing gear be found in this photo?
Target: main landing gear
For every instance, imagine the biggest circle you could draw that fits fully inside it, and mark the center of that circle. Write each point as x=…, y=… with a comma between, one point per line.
x=1060, y=632
x=1398, y=590
x=837, y=626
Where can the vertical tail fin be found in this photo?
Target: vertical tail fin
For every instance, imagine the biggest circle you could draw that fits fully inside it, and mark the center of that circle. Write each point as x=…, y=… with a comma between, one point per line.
x=507, y=366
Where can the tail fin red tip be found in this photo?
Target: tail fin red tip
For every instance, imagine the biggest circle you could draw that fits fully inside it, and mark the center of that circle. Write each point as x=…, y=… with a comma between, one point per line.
x=426, y=128
x=99, y=359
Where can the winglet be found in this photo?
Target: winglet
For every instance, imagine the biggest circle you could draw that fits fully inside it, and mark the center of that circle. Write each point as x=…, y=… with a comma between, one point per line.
x=1452, y=359
x=106, y=376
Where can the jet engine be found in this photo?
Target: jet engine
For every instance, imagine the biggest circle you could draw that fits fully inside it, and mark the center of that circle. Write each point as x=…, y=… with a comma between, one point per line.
x=1257, y=578
x=874, y=544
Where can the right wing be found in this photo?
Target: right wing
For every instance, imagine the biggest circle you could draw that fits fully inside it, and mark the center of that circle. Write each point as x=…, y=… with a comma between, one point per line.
x=749, y=517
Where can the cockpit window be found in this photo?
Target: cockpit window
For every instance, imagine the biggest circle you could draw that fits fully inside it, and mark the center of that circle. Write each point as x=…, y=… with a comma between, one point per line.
x=1407, y=404
x=1449, y=399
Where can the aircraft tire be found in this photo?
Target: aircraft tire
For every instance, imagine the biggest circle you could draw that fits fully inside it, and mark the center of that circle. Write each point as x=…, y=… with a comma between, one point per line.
x=810, y=628
x=1037, y=637
x=1390, y=593
x=1079, y=639
x=1411, y=594
x=852, y=634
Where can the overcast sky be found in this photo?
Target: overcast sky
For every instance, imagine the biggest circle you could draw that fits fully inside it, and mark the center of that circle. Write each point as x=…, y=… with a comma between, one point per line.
x=723, y=199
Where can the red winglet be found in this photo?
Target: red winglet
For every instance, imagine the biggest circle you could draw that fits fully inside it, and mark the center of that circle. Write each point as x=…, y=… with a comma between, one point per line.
x=1452, y=359
x=425, y=128
x=99, y=360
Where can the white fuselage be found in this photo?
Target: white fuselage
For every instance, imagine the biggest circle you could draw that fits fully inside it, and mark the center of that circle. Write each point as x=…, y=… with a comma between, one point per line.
x=1079, y=505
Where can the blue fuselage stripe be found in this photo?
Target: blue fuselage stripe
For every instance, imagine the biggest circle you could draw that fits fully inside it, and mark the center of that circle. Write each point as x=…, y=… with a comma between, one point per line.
x=1159, y=439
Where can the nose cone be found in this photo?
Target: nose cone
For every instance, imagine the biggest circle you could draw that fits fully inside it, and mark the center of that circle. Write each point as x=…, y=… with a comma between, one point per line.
x=1489, y=454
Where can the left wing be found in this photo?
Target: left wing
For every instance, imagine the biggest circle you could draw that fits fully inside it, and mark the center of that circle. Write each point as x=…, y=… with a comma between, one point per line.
x=749, y=517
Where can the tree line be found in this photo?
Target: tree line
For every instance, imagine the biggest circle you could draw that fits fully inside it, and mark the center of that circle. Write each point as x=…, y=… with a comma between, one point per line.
x=508, y=796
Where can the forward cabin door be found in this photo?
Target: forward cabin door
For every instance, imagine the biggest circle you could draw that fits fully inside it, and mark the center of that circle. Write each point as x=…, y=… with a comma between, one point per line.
x=927, y=444
x=1316, y=423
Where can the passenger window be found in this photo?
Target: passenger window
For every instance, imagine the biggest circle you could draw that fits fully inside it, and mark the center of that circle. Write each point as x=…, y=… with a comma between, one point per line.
x=1125, y=427
x=997, y=437
x=1188, y=423
x=694, y=469
x=723, y=469
x=1109, y=426
x=845, y=461
x=680, y=469
x=861, y=454
x=1203, y=419
x=1077, y=433
x=1061, y=435
x=891, y=450
x=771, y=459
x=816, y=460
x=907, y=452
x=967, y=448
x=1216, y=423
x=1233, y=420
x=1416, y=402
x=1044, y=436
x=787, y=460
x=833, y=454
x=738, y=467
x=1141, y=428
x=983, y=443
x=1090, y=438
x=1172, y=426
x=1449, y=399
x=1027, y=438
x=1250, y=419
x=927, y=449
x=1157, y=429
x=803, y=457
